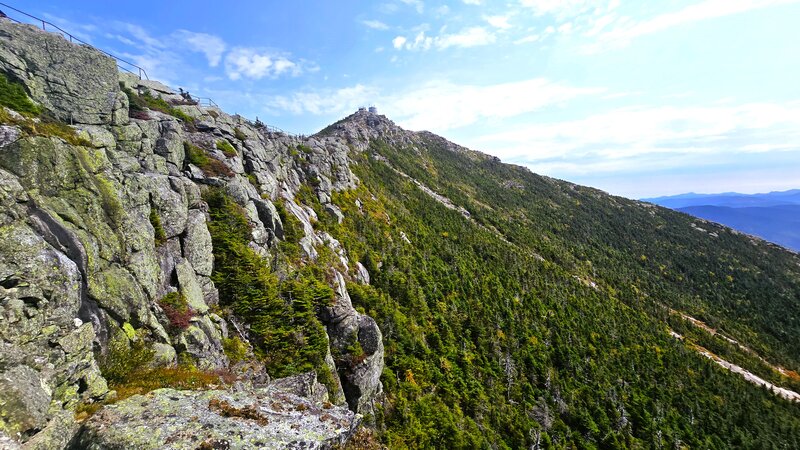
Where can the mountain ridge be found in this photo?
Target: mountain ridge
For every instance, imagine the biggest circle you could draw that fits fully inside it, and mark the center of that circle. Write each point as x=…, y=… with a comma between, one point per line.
x=732, y=199
x=388, y=286
x=774, y=216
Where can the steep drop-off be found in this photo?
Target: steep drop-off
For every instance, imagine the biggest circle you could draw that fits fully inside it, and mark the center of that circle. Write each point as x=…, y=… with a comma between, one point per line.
x=162, y=263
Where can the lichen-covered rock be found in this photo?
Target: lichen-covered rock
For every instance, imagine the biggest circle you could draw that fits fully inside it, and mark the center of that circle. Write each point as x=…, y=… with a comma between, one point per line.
x=24, y=401
x=202, y=341
x=304, y=385
x=335, y=393
x=197, y=243
x=172, y=206
x=58, y=433
x=6, y=443
x=92, y=237
x=190, y=287
x=8, y=135
x=267, y=418
x=169, y=143
x=362, y=274
x=45, y=349
x=77, y=83
x=269, y=216
x=361, y=381
x=359, y=374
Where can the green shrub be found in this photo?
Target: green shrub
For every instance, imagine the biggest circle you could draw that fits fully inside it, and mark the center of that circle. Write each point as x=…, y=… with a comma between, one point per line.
x=226, y=148
x=239, y=134
x=307, y=196
x=47, y=126
x=292, y=227
x=253, y=180
x=124, y=357
x=135, y=102
x=54, y=128
x=326, y=378
x=235, y=349
x=12, y=95
x=160, y=235
x=208, y=164
x=139, y=103
x=126, y=367
x=284, y=329
x=143, y=380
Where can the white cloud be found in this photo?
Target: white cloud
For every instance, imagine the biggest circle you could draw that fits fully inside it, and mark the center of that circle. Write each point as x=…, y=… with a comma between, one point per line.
x=398, y=42
x=566, y=9
x=571, y=16
x=641, y=137
x=438, y=105
x=625, y=31
x=528, y=39
x=255, y=64
x=81, y=31
x=441, y=105
x=420, y=42
x=498, y=21
x=565, y=28
x=339, y=101
x=469, y=37
x=212, y=46
x=140, y=34
x=472, y=2
x=375, y=24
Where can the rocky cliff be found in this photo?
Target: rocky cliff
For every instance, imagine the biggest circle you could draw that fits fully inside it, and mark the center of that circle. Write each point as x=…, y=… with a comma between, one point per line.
x=175, y=277
x=105, y=223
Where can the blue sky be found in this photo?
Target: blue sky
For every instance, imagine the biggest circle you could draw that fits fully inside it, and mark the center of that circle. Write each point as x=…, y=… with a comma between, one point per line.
x=636, y=98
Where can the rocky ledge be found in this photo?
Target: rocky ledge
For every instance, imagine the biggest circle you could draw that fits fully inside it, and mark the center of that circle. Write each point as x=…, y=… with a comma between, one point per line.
x=265, y=418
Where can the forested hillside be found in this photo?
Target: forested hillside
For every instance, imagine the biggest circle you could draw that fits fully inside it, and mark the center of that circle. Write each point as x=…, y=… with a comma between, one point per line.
x=172, y=276
x=540, y=312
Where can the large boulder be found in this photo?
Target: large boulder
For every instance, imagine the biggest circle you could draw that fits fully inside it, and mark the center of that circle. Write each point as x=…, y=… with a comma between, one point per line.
x=76, y=83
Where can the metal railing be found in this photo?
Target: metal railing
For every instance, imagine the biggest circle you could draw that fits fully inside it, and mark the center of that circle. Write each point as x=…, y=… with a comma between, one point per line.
x=202, y=101
x=142, y=73
x=205, y=101
x=264, y=127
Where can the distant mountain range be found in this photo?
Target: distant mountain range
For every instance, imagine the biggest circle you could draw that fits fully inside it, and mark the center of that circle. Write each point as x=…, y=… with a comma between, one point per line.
x=774, y=216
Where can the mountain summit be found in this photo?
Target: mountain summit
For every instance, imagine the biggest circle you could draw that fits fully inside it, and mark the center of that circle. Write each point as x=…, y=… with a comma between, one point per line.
x=172, y=276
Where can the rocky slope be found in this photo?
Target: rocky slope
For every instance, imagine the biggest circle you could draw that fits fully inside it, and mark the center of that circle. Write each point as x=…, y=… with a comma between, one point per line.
x=168, y=261
x=97, y=231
